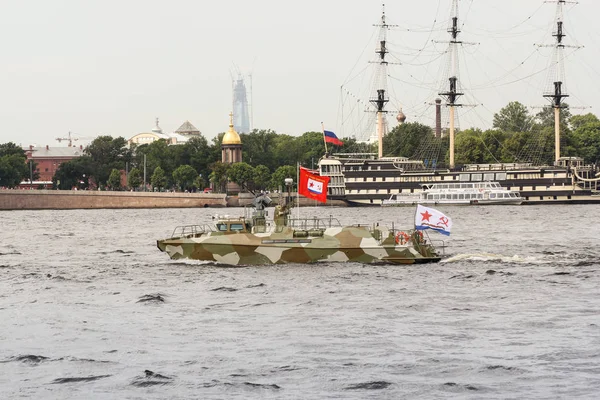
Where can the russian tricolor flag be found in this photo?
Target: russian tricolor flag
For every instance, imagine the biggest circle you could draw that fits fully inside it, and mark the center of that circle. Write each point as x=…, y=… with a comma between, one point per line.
x=330, y=137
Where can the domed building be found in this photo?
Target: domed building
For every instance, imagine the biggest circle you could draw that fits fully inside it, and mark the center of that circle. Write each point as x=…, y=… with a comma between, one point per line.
x=180, y=136
x=231, y=152
x=401, y=117
x=231, y=146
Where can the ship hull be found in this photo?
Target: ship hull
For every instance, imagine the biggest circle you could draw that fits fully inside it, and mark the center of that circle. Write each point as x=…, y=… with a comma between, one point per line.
x=348, y=244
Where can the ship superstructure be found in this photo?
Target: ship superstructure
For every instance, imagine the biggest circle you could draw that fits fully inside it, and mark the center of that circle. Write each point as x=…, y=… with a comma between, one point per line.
x=367, y=179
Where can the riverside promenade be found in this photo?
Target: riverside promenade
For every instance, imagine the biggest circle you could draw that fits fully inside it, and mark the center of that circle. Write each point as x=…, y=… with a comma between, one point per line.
x=84, y=199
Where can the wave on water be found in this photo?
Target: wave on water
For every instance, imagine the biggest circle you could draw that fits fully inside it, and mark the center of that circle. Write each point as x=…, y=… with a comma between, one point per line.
x=270, y=386
x=375, y=385
x=490, y=257
x=28, y=359
x=80, y=379
x=151, y=378
x=152, y=298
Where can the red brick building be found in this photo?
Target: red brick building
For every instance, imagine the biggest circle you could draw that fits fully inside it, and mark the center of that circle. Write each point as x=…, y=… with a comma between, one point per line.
x=48, y=159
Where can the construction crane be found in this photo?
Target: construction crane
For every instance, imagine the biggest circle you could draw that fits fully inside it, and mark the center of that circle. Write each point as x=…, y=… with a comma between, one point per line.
x=71, y=139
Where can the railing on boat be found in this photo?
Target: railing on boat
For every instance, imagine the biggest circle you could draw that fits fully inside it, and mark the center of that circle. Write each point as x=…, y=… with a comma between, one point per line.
x=313, y=223
x=189, y=231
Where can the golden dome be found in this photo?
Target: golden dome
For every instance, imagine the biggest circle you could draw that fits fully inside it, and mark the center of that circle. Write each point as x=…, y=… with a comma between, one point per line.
x=231, y=136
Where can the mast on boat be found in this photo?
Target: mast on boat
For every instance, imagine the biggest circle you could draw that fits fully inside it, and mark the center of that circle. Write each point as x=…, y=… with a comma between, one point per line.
x=453, y=93
x=559, y=92
x=381, y=98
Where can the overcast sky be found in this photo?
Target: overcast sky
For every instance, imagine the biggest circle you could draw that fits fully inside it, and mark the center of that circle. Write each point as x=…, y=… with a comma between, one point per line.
x=110, y=67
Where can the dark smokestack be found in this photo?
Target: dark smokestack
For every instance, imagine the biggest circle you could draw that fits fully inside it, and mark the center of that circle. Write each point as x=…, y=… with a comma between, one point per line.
x=438, y=117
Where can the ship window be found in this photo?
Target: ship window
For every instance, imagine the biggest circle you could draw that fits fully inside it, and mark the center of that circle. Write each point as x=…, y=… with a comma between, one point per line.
x=533, y=188
x=222, y=227
x=436, y=196
x=374, y=179
x=365, y=179
x=492, y=195
x=236, y=227
x=488, y=177
x=477, y=177
x=383, y=179
x=461, y=196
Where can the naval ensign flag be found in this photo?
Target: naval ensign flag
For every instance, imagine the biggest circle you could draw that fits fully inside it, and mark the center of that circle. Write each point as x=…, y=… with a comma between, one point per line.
x=428, y=218
x=312, y=185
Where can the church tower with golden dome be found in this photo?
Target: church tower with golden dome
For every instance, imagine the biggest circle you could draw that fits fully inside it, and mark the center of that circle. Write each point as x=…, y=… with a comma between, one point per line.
x=231, y=146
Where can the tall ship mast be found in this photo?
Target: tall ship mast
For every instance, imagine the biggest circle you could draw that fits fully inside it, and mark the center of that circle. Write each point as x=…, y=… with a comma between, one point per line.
x=558, y=92
x=381, y=98
x=453, y=93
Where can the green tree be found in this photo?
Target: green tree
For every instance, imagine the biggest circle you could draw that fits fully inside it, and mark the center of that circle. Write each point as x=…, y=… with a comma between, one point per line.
x=404, y=140
x=108, y=153
x=312, y=147
x=279, y=176
x=184, y=177
x=262, y=177
x=218, y=176
x=258, y=147
x=13, y=167
x=135, y=178
x=469, y=147
x=587, y=137
x=545, y=118
x=158, y=179
x=242, y=173
x=199, y=182
x=75, y=173
x=513, y=118
x=114, y=180
x=577, y=121
x=199, y=155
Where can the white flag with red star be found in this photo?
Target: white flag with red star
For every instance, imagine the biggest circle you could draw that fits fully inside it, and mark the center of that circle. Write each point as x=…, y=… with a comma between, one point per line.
x=428, y=218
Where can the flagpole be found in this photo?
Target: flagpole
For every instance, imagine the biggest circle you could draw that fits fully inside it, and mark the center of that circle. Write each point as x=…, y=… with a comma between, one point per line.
x=298, y=191
x=324, y=141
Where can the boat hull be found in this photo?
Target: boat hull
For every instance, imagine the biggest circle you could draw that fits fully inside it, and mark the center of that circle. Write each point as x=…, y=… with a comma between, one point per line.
x=504, y=202
x=334, y=245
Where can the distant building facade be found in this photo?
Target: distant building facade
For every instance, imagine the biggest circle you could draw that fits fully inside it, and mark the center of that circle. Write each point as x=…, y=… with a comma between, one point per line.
x=49, y=159
x=180, y=136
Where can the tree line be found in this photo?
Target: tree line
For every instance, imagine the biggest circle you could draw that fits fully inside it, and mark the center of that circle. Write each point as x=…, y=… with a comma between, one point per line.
x=268, y=158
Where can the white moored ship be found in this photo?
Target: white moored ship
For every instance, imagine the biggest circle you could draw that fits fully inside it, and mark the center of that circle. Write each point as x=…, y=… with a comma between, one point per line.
x=459, y=193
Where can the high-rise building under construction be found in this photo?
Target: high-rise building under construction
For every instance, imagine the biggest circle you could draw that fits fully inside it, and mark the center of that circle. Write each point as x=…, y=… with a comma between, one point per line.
x=241, y=116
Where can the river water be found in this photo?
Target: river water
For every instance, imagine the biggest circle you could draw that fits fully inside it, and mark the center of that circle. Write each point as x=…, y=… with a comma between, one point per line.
x=90, y=309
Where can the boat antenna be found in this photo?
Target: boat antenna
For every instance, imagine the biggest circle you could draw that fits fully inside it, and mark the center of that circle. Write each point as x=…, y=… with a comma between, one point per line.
x=557, y=93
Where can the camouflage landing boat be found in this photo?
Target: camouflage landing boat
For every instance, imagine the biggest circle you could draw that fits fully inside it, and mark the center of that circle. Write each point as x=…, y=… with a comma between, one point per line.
x=255, y=241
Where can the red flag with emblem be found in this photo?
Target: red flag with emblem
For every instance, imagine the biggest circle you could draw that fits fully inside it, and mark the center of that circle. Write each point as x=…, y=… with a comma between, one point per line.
x=313, y=186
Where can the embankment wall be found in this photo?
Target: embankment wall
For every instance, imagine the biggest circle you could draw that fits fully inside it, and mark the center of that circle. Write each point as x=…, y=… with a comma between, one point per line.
x=82, y=199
